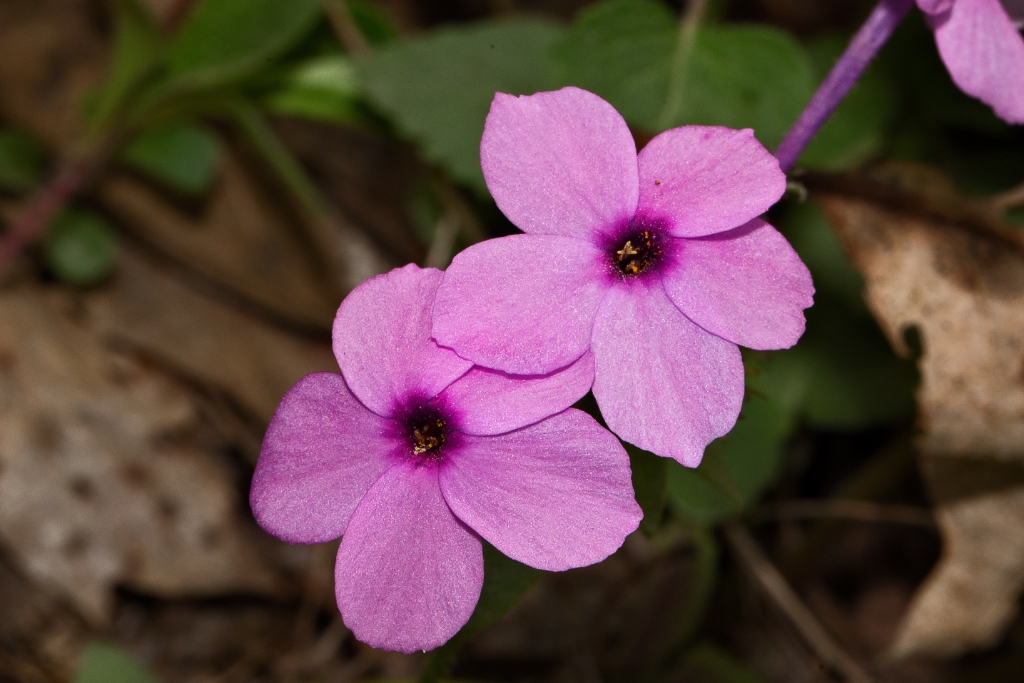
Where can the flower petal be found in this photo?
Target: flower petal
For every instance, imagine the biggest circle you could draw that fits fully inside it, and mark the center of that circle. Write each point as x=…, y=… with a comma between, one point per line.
x=706, y=179
x=934, y=6
x=559, y=163
x=746, y=285
x=409, y=573
x=382, y=340
x=322, y=452
x=555, y=495
x=523, y=304
x=984, y=53
x=492, y=402
x=662, y=382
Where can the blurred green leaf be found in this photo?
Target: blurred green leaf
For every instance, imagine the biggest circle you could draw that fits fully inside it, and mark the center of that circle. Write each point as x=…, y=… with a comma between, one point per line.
x=843, y=369
x=505, y=581
x=621, y=51
x=184, y=157
x=649, y=473
x=373, y=22
x=737, y=467
x=80, y=248
x=138, y=44
x=438, y=89
x=738, y=76
x=102, y=663
x=858, y=128
x=225, y=40
x=323, y=88
x=22, y=161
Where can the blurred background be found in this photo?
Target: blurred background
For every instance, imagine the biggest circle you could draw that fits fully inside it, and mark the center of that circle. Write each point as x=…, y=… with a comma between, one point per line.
x=189, y=188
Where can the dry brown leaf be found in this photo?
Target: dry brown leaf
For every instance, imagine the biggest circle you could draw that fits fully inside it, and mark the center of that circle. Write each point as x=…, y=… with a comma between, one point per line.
x=101, y=481
x=50, y=54
x=239, y=240
x=201, y=338
x=963, y=291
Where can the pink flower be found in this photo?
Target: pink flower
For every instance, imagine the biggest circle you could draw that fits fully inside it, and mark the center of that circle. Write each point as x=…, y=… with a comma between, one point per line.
x=414, y=454
x=657, y=264
x=982, y=49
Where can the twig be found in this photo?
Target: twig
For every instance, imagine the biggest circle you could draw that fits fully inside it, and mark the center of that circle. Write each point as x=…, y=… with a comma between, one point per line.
x=340, y=17
x=688, y=25
x=785, y=598
x=443, y=242
x=960, y=214
x=857, y=510
x=1005, y=201
x=41, y=208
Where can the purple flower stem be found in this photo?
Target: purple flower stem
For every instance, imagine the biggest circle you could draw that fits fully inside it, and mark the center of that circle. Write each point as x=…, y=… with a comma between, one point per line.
x=41, y=209
x=880, y=24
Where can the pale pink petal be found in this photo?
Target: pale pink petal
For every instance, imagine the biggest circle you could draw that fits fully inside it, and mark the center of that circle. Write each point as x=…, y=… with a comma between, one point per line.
x=555, y=495
x=382, y=340
x=934, y=6
x=492, y=402
x=984, y=53
x=322, y=452
x=662, y=382
x=559, y=163
x=746, y=285
x=409, y=573
x=523, y=304
x=705, y=179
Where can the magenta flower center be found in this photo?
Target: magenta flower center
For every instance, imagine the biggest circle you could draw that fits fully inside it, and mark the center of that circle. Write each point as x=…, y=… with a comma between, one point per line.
x=637, y=247
x=426, y=431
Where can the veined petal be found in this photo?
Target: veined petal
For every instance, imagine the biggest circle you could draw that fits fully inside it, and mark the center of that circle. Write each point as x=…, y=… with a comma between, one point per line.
x=492, y=402
x=662, y=382
x=554, y=495
x=322, y=452
x=409, y=573
x=707, y=179
x=746, y=285
x=382, y=340
x=522, y=304
x=984, y=53
x=559, y=163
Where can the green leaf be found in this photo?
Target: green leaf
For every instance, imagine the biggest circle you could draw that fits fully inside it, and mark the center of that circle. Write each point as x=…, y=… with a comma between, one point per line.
x=373, y=22
x=858, y=128
x=621, y=51
x=138, y=44
x=649, y=473
x=22, y=161
x=225, y=40
x=505, y=581
x=102, y=663
x=80, y=248
x=184, y=157
x=438, y=89
x=738, y=76
x=739, y=466
x=323, y=88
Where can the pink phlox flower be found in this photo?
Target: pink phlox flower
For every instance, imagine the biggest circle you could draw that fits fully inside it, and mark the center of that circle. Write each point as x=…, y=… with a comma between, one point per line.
x=412, y=455
x=657, y=264
x=983, y=50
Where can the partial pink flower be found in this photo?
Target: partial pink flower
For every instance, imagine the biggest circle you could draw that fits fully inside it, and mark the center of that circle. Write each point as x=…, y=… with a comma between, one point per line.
x=413, y=455
x=983, y=49
x=656, y=264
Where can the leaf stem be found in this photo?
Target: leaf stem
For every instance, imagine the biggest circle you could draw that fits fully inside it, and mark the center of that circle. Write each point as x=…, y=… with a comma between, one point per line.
x=688, y=25
x=344, y=25
x=875, y=32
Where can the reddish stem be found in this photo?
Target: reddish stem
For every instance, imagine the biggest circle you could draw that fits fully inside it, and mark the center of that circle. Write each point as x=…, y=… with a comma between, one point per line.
x=47, y=202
